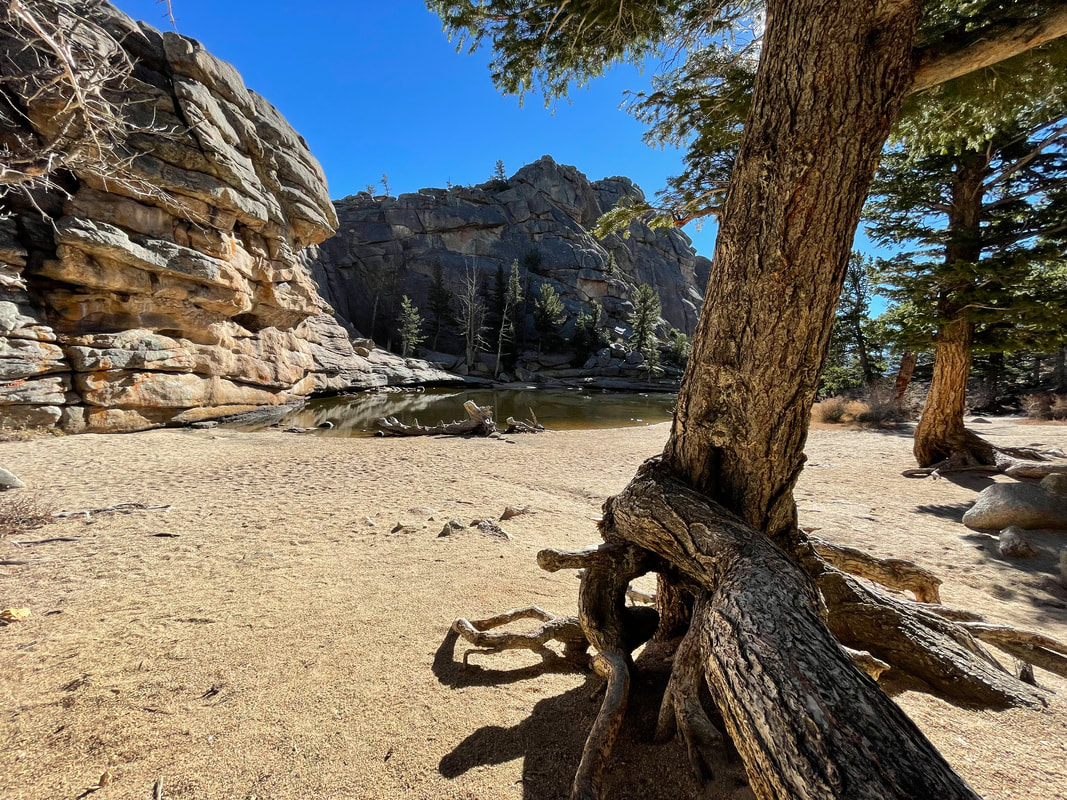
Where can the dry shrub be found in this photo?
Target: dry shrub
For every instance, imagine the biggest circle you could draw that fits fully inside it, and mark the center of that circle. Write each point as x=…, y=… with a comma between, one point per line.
x=1059, y=407
x=878, y=409
x=21, y=510
x=1039, y=405
x=831, y=410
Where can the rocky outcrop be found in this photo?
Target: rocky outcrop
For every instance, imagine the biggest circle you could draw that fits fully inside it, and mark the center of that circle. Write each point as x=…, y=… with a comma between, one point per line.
x=386, y=247
x=178, y=292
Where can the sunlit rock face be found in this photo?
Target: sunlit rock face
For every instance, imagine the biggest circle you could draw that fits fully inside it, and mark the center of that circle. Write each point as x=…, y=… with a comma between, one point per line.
x=187, y=297
x=386, y=247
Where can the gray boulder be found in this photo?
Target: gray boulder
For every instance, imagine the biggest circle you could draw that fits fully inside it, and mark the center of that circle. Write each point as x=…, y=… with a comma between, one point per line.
x=1023, y=505
x=9, y=481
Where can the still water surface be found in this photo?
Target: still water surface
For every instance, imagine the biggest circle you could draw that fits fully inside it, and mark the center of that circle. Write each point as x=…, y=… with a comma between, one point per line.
x=355, y=415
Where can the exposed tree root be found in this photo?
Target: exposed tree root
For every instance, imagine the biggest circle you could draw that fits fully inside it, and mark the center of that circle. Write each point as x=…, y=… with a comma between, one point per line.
x=896, y=573
x=1033, y=648
x=771, y=649
x=932, y=649
x=1016, y=462
x=566, y=630
x=683, y=712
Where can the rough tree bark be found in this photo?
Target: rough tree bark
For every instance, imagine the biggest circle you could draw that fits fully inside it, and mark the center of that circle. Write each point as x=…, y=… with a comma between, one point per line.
x=715, y=517
x=904, y=373
x=940, y=434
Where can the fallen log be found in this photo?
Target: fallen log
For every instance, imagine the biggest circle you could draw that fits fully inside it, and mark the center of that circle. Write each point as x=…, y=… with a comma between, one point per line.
x=479, y=422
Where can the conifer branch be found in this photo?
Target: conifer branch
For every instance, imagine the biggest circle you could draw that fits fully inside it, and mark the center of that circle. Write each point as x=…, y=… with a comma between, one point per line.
x=934, y=66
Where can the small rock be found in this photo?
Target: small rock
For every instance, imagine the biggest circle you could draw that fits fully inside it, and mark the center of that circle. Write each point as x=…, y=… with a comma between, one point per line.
x=491, y=529
x=406, y=525
x=422, y=511
x=9, y=615
x=369, y=522
x=1055, y=483
x=452, y=526
x=207, y=423
x=9, y=481
x=512, y=511
x=1014, y=544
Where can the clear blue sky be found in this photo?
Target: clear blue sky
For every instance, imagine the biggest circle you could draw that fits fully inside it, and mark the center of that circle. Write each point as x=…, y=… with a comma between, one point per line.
x=374, y=86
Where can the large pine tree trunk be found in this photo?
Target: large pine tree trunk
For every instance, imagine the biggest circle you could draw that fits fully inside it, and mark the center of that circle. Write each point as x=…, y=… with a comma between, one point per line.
x=940, y=433
x=828, y=87
x=829, y=84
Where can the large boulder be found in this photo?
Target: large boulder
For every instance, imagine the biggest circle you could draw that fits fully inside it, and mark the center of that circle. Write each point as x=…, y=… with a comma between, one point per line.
x=541, y=217
x=1022, y=505
x=182, y=286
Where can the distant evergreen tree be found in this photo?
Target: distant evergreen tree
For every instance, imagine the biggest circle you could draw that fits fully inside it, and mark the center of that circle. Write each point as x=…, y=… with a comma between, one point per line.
x=499, y=173
x=508, y=333
x=611, y=266
x=589, y=333
x=410, y=327
x=549, y=314
x=851, y=362
x=643, y=320
x=679, y=348
x=440, y=302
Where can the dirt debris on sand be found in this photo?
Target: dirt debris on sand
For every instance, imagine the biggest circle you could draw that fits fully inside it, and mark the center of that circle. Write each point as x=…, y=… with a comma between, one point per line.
x=269, y=636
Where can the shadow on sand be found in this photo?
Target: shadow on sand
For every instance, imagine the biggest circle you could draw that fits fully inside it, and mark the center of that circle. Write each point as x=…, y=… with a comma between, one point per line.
x=551, y=738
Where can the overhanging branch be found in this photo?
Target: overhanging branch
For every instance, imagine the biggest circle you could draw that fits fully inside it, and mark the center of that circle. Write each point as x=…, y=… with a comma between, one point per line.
x=933, y=66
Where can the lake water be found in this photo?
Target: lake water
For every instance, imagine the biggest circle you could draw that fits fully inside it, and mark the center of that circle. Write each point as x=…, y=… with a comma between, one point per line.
x=355, y=415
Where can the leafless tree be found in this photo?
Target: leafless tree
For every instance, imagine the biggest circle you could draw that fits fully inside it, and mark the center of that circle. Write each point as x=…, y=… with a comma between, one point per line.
x=65, y=91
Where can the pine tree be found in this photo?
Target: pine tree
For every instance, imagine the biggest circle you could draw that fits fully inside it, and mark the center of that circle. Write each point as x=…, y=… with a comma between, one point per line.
x=644, y=320
x=750, y=615
x=549, y=314
x=410, y=323
x=983, y=273
x=508, y=333
x=440, y=300
x=589, y=333
x=850, y=361
x=499, y=173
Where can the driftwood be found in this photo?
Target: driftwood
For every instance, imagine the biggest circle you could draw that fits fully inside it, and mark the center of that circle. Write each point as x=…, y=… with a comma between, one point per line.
x=479, y=422
x=118, y=508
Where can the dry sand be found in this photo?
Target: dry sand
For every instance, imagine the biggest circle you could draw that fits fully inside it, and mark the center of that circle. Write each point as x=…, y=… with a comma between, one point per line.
x=270, y=637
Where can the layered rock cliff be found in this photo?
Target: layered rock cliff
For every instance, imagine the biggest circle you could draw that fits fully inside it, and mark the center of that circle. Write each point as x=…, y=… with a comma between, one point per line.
x=179, y=292
x=386, y=247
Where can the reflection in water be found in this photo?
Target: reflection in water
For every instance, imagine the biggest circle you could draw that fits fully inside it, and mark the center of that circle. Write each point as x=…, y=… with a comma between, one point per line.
x=355, y=415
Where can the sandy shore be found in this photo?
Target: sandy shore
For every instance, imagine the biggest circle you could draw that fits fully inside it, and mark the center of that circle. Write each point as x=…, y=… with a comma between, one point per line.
x=269, y=636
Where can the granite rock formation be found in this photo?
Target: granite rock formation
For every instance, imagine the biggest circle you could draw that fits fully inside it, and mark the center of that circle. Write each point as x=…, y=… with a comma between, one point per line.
x=183, y=293
x=386, y=247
